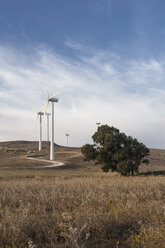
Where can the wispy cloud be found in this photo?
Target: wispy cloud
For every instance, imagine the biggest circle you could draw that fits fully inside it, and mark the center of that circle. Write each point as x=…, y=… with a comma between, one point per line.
x=129, y=94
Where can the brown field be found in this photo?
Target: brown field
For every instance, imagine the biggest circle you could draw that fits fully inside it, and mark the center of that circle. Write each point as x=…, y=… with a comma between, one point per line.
x=78, y=205
x=14, y=155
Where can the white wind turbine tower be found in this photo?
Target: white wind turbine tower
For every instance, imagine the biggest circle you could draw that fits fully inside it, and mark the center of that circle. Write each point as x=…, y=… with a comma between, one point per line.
x=67, y=136
x=48, y=114
x=39, y=116
x=51, y=99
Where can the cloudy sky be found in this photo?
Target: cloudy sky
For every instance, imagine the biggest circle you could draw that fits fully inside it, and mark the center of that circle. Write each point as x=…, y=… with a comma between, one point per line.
x=108, y=55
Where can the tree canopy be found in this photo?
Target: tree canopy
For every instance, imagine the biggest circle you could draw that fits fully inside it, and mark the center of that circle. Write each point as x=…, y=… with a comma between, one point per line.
x=116, y=151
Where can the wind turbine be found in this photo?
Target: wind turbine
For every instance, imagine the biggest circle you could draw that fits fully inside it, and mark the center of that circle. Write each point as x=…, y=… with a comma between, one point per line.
x=97, y=122
x=39, y=116
x=51, y=99
x=67, y=135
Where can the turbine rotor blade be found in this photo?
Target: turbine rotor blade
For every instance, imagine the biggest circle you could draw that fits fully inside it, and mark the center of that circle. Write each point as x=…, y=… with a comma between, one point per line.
x=46, y=107
x=35, y=110
x=45, y=111
x=46, y=91
x=36, y=122
x=42, y=109
x=56, y=94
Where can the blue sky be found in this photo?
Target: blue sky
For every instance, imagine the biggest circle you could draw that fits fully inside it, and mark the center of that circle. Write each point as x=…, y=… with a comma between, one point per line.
x=129, y=27
x=108, y=54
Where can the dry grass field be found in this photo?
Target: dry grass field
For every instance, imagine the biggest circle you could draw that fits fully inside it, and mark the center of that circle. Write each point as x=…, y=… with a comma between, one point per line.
x=77, y=205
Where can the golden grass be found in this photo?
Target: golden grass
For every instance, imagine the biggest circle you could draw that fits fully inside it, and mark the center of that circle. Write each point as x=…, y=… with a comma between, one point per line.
x=50, y=210
x=78, y=206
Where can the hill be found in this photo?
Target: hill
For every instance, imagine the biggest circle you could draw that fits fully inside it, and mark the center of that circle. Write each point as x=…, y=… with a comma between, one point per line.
x=14, y=154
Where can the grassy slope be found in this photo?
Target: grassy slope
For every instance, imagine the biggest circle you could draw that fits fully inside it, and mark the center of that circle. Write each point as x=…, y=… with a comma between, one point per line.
x=78, y=205
x=13, y=155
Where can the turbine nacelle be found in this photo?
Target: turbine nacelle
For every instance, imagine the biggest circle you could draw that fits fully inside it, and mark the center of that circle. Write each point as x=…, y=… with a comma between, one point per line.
x=40, y=113
x=53, y=99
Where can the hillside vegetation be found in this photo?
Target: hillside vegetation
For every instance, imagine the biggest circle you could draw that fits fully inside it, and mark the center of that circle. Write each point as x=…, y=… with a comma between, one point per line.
x=78, y=206
x=14, y=155
x=99, y=211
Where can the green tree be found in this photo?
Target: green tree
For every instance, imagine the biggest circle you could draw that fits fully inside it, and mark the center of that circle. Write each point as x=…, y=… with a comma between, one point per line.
x=89, y=151
x=116, y=151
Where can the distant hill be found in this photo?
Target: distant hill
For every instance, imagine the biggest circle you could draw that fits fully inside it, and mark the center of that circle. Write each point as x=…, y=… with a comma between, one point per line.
x=23, y=144
x=13, y=153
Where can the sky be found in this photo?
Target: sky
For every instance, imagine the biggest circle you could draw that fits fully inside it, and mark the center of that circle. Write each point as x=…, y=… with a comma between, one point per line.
x=108, y=55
